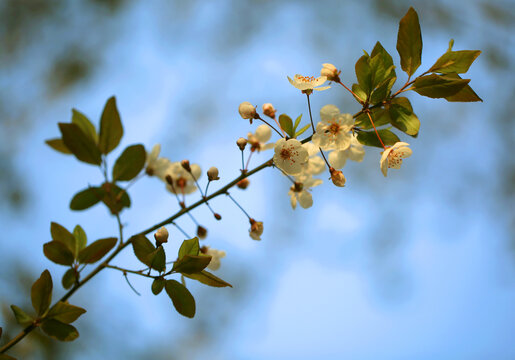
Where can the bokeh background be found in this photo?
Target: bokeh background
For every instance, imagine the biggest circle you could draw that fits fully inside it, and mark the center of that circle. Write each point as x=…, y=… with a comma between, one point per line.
x=419, y=265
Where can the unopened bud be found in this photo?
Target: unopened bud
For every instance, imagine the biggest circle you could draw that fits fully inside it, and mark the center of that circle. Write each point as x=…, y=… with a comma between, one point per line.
x=217, y=216
x=201, y=232
x=256, y=229
x=161, y=235
x=204, y=249
x=186, y=165
x=297, y=186
x=268, y=110
x=241, y=142
x=337, y=177
x=243, y=183
x=248, y=111
x=169, y=180
x=331, y=72
x=212, y=174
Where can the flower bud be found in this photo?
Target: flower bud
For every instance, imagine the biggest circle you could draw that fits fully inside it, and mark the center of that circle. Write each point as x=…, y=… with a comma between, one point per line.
x=186, y=165
x=243, y=183
x=256, y=229
x=331, y=72
x=337, y=177
x=241, y=142
x=268, y=110
x=248, y=111
x=161, y=235
x=217, y=216
x=201, y=232
x=212, y=174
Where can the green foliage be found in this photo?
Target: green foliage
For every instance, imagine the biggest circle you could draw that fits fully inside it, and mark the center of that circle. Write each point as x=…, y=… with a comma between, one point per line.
x=455, y=62
x=70, y=277
x=41, y=293
x=65, y=312
x=190, y=264
x=158, y=285
x=130, y=163
x=402, y=116
x=21, y=317
x=111, y=130
x=439, y=86
x=79, y=144
x=58, y=145
x=466, y=94
x=409, y=42
x=58, y=253
x=207, y=278
x=181, y=298
x=81, y=239
x=370, y=138
x=147, y=253
x=96, y=250
x=59, y=330
x=189, y=247
x=86, y=198
x=286, y=124
x=61, y=234
x=85, y=125
x=115, y=198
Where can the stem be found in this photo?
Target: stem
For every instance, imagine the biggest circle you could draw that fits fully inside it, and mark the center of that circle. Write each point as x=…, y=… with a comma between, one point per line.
x=181, y=230
x=120, y=228
x=238, y=205
x=137, y=272
x=266, y=122
x=310, y=117
x=242, y=161
x=352, y=92
x=248, y=160
x=327, y=162
x=370, y=117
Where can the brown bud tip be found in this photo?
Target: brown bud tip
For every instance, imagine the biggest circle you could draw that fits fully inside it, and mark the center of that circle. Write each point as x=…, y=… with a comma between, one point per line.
x=217, y=216
x=212, y=174
x=169, y=180
x=186, y=165
x=241, y=142
x=201, y=232
x=243, y=183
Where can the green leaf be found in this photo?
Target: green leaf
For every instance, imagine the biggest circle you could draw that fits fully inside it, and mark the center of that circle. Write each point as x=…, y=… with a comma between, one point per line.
x=111, y=130
x=130, y=163
x=379, y=115
x=58, y=253
x=364, y=74
x=41, y=293
x=370, y=138
x=58, y=145
x=115, y=198
x=466, y=94
x=189, y=247
x=158, y=285
x=381, y=66
x=356, y=89
x=61, y=234
x=286, y=124
x=438, y=86
x=64, y=312
x=21, y=316
x=455, y=61
x=79, y=144
x=142, y=248
x=86, y=198
x=59, y=331
x=382, y=92
x=96, y=250
x=85, y=125
x=81, y=240
x=302, y=130
x=157, y=259
x=191, y=264
x=402, y=116
x=207, y=278
x=182, y=299
x=69, y=278
x=409, y=42
x=297, y=122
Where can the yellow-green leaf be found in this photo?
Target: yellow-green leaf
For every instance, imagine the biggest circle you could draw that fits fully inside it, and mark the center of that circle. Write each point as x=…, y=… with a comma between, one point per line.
x=64, y=312
x=21, y=316
x=189, y=247
x=286, y=124
x=455, y=61
x=61, y=234
x=438, y=86
x=143, y=248
x=87, y=198
x=69, y=278
x=191, y=264
x=409, y=42
x=111, y=130
x=205, y=277
x=96, y=250
x=85, y=125
x=181, y=298
x=41, y=293
x=370, y=138
x=58, y=253
x=130, y=163
x=81, y=239
x=79, y=144
x=158, y=285
x=58, y=145
x=59, y=331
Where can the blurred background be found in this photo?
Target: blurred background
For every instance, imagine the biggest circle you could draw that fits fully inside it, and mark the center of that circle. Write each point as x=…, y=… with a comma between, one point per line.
x=418, y=265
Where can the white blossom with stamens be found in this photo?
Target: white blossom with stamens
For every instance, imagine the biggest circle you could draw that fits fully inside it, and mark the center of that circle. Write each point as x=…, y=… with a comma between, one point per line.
x=258, y=140
x=299, y=193
x=354, y=152
x=315, y=164
x=308, y=83
x=155, y=165
x=183, y=182
x=392, y=156
x=333, y=132
x=290, y=156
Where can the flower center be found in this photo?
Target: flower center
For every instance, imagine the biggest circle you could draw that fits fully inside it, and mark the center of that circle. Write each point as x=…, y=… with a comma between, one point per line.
x=306, y=78
x=285, y=154
x=394, y=159
x=334, y=128
x=181, y=182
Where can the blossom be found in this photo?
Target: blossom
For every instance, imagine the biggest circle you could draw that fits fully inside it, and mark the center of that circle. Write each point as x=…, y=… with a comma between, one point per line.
x=337, y=177
x=330, y=72
x=212, y=174
x=354, y=152
x=308, y=83
x=315, y=164
x=333, y=132
x=259, y=138
x=392, y=156
x=215, y=254
x=290, y=156
x=268, y=110
x=299, y=191
x=180, y=181
x=248, y=111
x=241, y=142
x=161, y=235
x=256, y=229
x=156, y=166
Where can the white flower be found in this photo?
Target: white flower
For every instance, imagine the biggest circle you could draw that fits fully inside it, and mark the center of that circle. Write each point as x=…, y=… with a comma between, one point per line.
x=216, y=255
x=256, y=229
x=333, y=132
x=337, y=177
x=330, y=72
x=290, y=156
x=161, y=235
x=392, y=157
x=156, y=166
x=308, y=83
x=299, y=191
x=315, y=164
x=354, y=152
x=259, y=138
x=247, y=110
x=182, y=180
